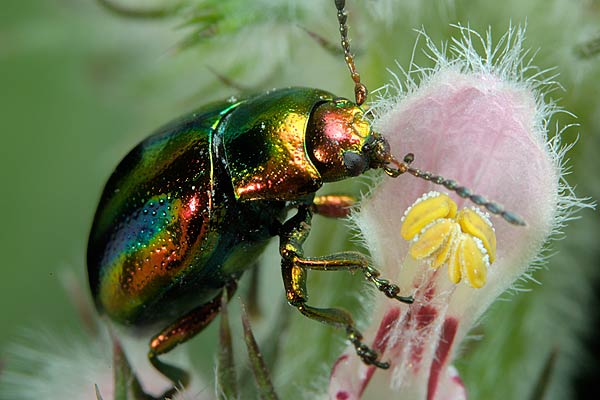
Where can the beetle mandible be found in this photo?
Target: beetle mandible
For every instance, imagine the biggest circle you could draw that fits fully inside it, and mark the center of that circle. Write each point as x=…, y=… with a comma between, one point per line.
x=191, y=207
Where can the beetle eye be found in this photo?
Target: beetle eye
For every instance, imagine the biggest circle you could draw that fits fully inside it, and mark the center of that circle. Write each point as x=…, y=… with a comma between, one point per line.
x=355, y=164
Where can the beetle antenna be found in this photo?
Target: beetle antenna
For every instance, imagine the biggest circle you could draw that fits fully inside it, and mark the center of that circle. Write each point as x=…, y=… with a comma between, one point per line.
x=450, y=184
x=360, y=90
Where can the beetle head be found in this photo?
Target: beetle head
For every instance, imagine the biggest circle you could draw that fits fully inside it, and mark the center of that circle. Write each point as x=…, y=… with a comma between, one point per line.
x=340, y=142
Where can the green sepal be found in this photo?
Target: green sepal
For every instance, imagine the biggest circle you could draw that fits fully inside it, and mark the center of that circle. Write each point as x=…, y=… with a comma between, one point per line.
x=226, y=376
x=544, y=380
x=98, y=395
x=127, y=386
x=259, y=368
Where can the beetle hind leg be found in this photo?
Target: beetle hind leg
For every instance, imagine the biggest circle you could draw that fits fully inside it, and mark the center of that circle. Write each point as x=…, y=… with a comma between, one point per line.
x=341, y=318
x=178, y=332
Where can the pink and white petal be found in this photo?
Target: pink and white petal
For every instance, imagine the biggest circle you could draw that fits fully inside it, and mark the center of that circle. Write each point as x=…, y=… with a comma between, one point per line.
x=486, y=134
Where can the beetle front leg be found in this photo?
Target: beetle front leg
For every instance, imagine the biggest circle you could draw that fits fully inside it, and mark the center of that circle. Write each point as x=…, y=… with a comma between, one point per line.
x=350, y=261
x=293, y=235
x=338, y=206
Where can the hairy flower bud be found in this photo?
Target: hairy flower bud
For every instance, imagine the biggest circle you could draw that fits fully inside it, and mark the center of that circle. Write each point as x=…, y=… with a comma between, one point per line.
x=484, y=125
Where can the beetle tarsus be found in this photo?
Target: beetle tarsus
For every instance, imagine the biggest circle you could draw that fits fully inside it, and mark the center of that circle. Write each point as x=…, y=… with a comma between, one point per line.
x=383, y=285
x=366, y=354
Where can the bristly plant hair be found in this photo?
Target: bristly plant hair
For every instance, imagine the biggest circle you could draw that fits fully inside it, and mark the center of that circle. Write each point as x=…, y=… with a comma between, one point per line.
x=508, y=59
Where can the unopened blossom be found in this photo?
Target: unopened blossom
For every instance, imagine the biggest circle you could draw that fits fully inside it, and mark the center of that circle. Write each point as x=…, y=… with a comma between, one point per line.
x=479, y=120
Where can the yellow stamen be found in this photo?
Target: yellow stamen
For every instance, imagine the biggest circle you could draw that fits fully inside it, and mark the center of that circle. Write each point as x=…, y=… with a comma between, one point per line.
x=426, y=210
x=432, y=239
x=478, y=226
x=466, y=241
x=472, y=262
x=454, y=270
x=446, y=252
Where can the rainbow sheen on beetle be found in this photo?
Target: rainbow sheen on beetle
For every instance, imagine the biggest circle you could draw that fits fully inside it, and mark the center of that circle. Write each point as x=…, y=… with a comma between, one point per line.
x=191, y=207
x=188, y=205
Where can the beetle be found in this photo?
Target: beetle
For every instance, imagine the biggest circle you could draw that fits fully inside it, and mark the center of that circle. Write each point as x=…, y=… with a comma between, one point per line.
x=191, y=207
x=187, y=208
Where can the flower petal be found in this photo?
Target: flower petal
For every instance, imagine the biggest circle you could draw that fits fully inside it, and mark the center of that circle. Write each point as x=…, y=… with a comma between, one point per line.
x=468, y=124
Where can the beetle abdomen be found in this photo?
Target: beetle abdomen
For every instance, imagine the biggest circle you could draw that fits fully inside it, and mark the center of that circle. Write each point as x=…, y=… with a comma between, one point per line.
x=157, y=219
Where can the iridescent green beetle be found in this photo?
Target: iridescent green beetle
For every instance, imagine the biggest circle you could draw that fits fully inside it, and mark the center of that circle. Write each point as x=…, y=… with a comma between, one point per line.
x=190, y=208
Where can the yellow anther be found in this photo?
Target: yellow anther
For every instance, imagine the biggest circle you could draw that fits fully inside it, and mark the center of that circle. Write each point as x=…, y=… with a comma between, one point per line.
x=473, y=263
x=426, y=210
x=434, y=238
x=475, y=224
x=466, y=241
x=454, y=270
x=449, y=248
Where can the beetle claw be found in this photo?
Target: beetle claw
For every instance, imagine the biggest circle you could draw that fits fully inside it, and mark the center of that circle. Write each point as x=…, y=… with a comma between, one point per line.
x=366, y=354
x=383, y=285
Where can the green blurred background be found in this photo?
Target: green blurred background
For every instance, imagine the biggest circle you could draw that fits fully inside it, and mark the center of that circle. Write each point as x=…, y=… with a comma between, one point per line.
x=75, y=89
x=80, y=86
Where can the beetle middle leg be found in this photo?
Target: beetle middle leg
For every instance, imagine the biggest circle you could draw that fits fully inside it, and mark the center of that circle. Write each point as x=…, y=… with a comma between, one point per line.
x=332, y=205
x=294, y=269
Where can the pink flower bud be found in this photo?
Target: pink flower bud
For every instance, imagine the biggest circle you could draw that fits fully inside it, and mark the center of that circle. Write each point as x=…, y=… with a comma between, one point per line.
x=484, y=126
